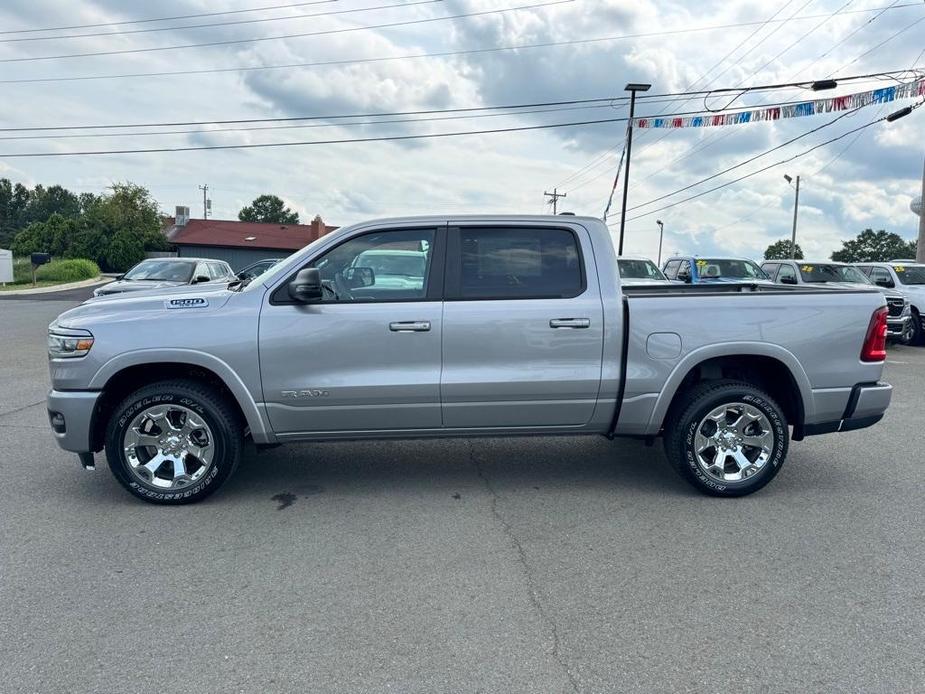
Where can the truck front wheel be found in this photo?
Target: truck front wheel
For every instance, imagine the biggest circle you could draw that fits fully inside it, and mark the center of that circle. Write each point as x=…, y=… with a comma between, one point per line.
x=173, y=442
x=727, y=438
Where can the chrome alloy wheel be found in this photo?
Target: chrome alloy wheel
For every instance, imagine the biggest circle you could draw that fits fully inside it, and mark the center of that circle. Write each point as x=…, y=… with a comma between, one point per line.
x=733, y=442
x=168, y=446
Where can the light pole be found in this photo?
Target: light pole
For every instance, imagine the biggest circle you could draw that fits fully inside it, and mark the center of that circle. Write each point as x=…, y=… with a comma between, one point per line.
x=661, y=233
x=796, y=207
x=632, y=88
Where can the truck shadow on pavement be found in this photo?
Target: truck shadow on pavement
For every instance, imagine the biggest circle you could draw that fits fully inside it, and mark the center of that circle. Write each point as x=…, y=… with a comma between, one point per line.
x=453, y=467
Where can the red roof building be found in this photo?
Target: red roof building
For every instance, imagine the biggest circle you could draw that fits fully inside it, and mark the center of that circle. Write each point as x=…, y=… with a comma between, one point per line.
x=240, y=243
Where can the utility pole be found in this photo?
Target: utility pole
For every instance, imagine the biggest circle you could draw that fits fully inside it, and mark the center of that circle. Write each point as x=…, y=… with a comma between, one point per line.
x=555, y=195
x=920, y=248
x=205, y=202
x=632, y=88
x=796, y=207
x=661, y=233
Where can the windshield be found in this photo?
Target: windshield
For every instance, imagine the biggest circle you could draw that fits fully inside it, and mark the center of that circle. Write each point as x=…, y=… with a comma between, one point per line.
x=164, y=270
x=910, y=274
x=832, y=273
x=639, y=270
x=719, y=268
x=392, y=263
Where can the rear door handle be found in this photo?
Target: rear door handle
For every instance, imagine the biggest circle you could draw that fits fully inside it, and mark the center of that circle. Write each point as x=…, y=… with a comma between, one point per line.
x=410, y=326
x=570, y=323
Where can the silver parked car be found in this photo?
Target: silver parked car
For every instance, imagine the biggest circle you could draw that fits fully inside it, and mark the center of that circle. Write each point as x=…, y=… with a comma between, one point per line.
x=637, y=269
x=163, y=273
x=844, y=276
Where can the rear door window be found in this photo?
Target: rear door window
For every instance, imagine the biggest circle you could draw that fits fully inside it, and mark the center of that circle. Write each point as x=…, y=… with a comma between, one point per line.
x=516, y=263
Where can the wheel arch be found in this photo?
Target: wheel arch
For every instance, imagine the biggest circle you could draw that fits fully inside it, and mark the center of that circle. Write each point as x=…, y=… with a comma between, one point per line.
x=133, y=370
x=769, y=367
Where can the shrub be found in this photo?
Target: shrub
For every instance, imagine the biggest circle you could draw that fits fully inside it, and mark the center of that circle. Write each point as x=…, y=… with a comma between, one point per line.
x=22, y=270
x=73, y=270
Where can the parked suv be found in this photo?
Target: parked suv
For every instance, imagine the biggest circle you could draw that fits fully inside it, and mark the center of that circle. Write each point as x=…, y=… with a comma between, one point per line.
x=908, y=279
x=696, y=269
x=162, y=273
x=844, y=276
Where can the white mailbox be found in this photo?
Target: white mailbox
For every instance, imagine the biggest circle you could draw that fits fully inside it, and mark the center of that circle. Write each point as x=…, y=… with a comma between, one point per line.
x=6, y=266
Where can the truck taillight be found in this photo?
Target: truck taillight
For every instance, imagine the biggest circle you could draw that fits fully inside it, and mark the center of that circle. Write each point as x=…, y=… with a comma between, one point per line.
x=874, y=348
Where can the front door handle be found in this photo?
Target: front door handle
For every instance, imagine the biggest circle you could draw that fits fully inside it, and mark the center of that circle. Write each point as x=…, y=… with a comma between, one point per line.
x=570, y=323
x=410, y=326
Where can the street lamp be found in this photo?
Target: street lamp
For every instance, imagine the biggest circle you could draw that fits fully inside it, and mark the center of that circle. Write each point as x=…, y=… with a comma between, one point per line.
x=632, y=88
x=661, y=233
x=796, y=207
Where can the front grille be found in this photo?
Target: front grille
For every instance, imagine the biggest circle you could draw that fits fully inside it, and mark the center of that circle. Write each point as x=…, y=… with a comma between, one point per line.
x=895, y=306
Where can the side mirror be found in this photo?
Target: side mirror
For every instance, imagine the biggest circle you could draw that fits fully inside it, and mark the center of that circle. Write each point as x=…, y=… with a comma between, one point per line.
x=201, y=278
x=684, y=277
x=884, y=282
x=306, y=287
x=788, y=280
x=359, y=277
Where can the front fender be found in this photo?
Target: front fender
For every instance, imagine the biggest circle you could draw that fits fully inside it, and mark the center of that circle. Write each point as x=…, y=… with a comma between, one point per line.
x=259, y=427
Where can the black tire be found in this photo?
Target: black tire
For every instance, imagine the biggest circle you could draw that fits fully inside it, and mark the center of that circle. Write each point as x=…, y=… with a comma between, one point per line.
x=918, y=333
x=681, y=427
x=218, y=414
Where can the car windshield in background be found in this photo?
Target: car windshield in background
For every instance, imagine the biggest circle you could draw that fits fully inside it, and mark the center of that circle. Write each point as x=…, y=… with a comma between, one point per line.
x=639, y=270
x=832, y=273
x=393, y=263
x=718, y=268
x=162, y=270
x=910, y=275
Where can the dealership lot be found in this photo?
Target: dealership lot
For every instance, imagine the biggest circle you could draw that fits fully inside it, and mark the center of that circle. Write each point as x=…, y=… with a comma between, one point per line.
x=543, y=564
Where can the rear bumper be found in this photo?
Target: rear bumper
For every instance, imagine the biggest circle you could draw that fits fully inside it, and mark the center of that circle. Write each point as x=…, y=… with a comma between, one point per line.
x=70, y=414
x=866, y=406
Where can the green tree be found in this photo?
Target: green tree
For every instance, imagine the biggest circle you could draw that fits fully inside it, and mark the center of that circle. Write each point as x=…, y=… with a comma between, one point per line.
x=124, y=250
x=874, y=246
x=13, y=203
x=51, y=236
x=44, y=202
x=269, y=209
x=780, y=250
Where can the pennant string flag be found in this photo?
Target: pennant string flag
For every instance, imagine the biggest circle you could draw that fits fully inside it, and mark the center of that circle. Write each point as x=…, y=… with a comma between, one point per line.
x=847, y=102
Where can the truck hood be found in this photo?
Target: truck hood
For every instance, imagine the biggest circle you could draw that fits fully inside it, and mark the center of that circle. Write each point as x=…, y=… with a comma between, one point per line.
x=176, y=301
x=122, y=286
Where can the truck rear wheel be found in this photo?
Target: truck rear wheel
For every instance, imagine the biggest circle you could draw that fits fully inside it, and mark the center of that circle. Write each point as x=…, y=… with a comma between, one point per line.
x=173, y=442
x=727, y=438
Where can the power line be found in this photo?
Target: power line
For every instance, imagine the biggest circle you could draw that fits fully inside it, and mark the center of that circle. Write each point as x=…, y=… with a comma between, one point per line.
x=166, y=19
x=416, y=56
x=608, y=100
x=326, y=32
x=221, y=24
x=766, y=168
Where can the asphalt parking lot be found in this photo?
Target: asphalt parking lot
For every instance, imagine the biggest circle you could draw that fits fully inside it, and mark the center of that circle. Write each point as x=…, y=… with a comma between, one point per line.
x=487, y=565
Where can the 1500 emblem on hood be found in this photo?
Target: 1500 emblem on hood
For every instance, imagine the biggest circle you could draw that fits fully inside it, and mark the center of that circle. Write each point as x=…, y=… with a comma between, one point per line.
x=193, y=302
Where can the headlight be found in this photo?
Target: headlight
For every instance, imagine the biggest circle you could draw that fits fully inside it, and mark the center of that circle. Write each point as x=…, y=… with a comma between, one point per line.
x=64, y=344
x=907, y=308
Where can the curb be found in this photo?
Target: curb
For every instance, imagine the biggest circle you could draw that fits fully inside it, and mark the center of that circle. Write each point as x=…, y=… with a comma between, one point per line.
x=56, y=287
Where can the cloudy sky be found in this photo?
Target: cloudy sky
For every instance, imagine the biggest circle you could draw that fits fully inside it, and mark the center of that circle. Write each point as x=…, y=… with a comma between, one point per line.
x=858, y=182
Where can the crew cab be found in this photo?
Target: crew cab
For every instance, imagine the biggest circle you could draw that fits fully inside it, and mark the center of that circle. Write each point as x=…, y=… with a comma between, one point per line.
x=695, y=269
x=909, y=280
x=521, y=326
x=844, y=276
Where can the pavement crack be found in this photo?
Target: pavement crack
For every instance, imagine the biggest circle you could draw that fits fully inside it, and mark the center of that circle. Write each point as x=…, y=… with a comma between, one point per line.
x=533, y=591
x=20, y=409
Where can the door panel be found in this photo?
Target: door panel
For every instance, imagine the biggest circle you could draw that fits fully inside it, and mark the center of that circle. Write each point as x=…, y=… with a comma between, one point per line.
x=367, y=356
x=511, y=362
x=330, y=367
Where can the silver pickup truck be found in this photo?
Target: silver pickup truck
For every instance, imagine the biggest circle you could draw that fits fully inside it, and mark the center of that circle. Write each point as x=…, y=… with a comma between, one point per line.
x=517, y=325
